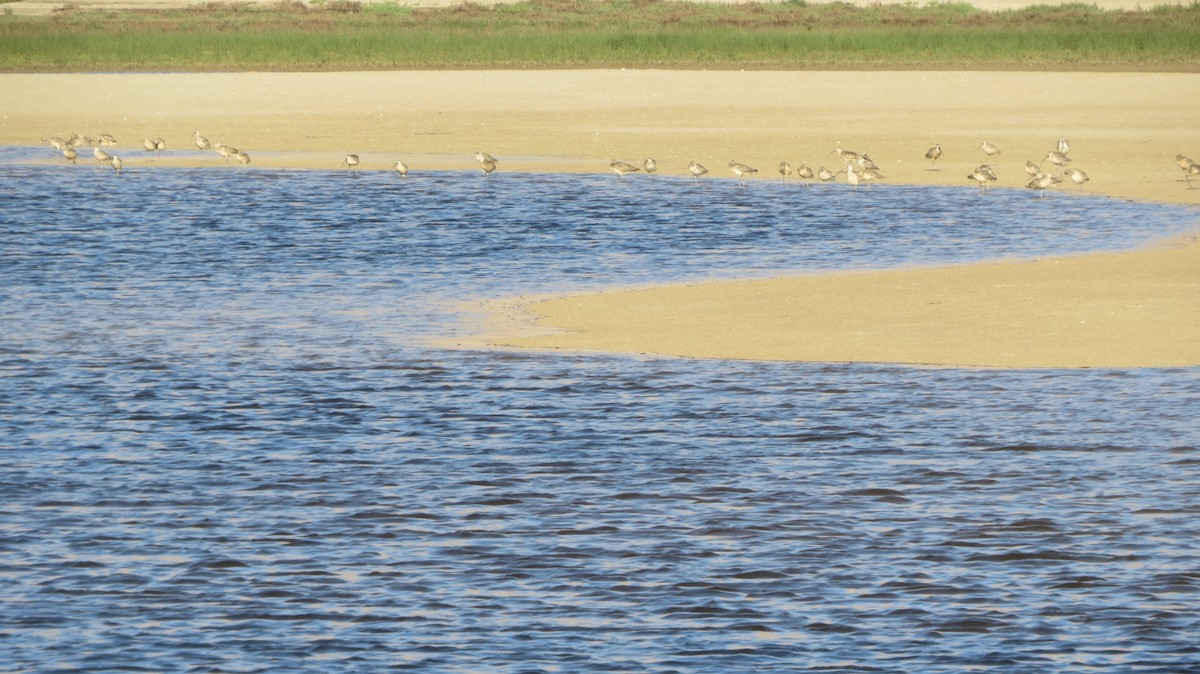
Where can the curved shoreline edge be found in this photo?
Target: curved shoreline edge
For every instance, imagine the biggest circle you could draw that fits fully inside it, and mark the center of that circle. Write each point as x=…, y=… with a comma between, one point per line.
x=1125, y=129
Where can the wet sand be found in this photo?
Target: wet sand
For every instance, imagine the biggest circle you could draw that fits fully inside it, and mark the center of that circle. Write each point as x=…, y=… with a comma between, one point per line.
x=1125, y=130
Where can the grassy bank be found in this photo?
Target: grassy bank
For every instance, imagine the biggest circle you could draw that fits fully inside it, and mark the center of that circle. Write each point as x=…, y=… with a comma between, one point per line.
x=603, y=33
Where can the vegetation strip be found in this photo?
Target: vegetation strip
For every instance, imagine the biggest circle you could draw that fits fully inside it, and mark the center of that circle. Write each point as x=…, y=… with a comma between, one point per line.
x=602, y=34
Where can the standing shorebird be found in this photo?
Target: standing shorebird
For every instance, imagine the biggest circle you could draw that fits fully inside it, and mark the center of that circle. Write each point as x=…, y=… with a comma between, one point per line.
x=852, y=176
x=486, y=161
x=1032, y=169
x=1042, y=182
x=350, y=161
x=1193, y=170
x=1063, y=146
x=156, y=146
x=649, y=166
x=983, y=175
x=70, y=153
x=242, y=158
x=106, y=139
x=116, y=163
x=846, y=155
x=697, y=169
x=200, y=141
x=56, y=142
x=989, y=149
x=1183, y=162
x=401, y=168
x=804, y=172
x=741, y=170
x=226, y=151
x=1077, y=176
x=934, y=153
x=622, y=168
x=826, y=175
x=101, y=156
x=1058, y=158
x=785, y=170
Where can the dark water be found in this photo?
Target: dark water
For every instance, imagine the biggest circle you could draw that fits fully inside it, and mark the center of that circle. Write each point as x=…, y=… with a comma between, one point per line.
x=226, y=447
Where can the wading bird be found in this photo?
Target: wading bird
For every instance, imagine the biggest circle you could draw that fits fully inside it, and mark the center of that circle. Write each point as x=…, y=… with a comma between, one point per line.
x=934, y=153
x=106, y=139
x=101, y=156
x=226, y=151
x=350, y=161
x=741, y=170
x=1192, y=171
x=804, y=172
x=116, y=163
x=826, y=175
x=649, y=165
x=785, y=170
x=697, y=169
x=1042, y=182
x=983, y=175
x=1032, y=169
x=1077, y=176
x=401, y=168
x=70, y=153
x=200, y=141
x=989, y=149
x=1058, y=158
x=1063, y=146
x=488, y=165
x=242, y=158
x=622, y=168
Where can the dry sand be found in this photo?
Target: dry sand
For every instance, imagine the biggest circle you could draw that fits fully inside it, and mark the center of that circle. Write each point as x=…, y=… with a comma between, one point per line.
x=1125, y=130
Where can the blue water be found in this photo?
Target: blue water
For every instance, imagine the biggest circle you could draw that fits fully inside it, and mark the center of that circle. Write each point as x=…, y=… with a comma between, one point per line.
x=228, y=446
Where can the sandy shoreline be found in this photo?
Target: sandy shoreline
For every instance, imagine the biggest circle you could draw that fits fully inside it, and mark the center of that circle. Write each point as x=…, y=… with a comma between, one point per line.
x=1125, y=130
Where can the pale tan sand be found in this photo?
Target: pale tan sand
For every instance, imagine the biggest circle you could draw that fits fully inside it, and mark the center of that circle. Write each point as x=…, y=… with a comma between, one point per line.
x=1125, y=130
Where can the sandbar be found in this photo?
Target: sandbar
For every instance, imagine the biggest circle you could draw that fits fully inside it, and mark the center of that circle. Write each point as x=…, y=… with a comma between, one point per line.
x=1125, y=130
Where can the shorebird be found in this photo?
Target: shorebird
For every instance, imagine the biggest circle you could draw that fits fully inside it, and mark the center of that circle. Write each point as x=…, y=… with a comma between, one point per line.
x=852, y=176
x=77, y=140
x=1031, y=168
x=826, y=175
x=1042, y=182
x=225, y=151
x=401, y=168
x=697, y=169
x=101, y=156
x=1184, y=162
x=56, y=142
x=116, y=163
x=982, y=175
x=243, y=158
x=1058, y=158
x=1063, y=146
x=649, y=165
x=200, y=141
x=740, y=170
x=846, y=155
x=934, y=153
x=350, y=161
x=785, y=170
x=106, y=139
x=156, y=146
x=622, y=168
x=865, y=164
x=988, y=148
x=804, y=172
x=70, y=153
x=1077, y=176
x=486, y=161
x=1193, y=170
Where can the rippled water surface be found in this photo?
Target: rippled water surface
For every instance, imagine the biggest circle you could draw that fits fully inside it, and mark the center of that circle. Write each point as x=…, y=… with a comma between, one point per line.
x=226, y=445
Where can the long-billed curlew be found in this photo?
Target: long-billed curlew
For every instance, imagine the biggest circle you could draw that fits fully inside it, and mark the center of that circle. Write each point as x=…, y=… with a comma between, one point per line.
x=846, y=155
x=101, y=156
x=401, y=168
x=1058, y=158
x=989, y=149
x=741, y=170
x=697, y=169
x=983, y=175
x=649, y=166
x=934, y=153
x=350, y=161
x=1042, y=182
x=1077, y=176
x=70, y=153
x=622, y=168
x=200, y=141
x=116, y=163
x=785, y=170
x=1063, y=146
x=1032, y=169
x=156, y=146
x=226, y=151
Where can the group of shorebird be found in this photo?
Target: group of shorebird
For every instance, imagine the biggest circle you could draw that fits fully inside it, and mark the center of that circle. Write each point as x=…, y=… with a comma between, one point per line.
x=859, y=168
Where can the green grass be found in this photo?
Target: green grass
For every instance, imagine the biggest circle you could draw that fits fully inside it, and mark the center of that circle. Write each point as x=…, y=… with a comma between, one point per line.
x=341, y=34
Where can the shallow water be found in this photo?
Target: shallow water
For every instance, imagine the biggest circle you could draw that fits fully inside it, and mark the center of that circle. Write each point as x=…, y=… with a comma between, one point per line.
x=228, y=447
